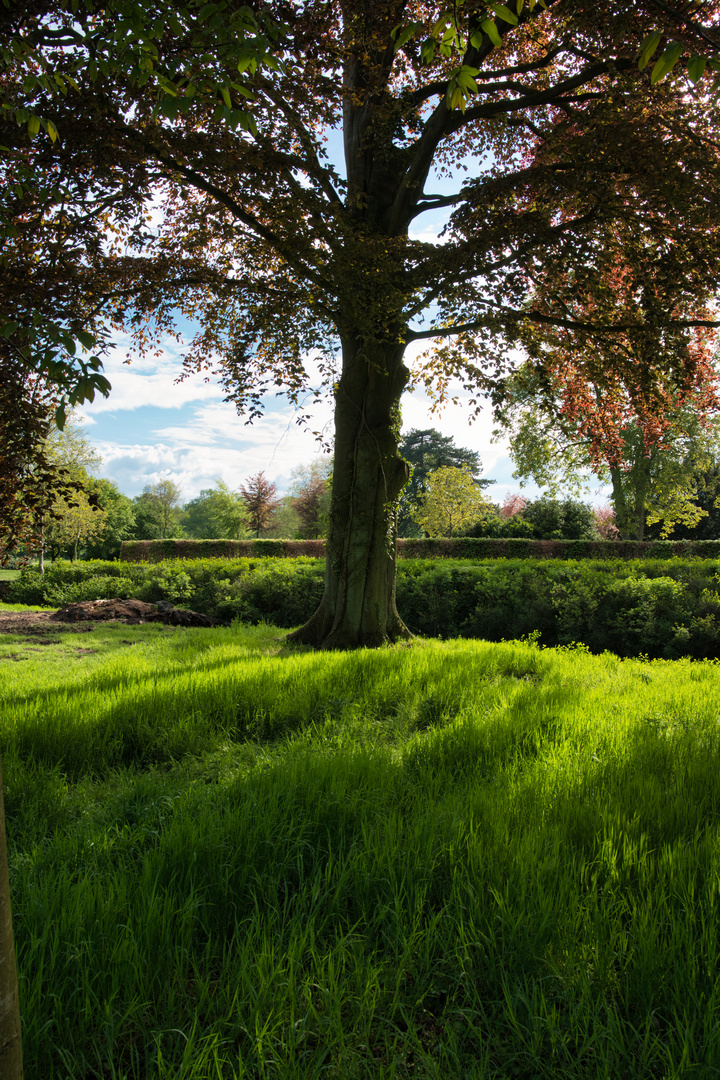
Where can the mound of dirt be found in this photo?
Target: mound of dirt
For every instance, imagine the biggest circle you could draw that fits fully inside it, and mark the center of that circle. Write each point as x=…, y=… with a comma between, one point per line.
x=129, y=611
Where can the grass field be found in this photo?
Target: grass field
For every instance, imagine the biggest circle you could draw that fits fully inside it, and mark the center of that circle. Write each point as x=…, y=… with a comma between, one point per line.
x=441, y=860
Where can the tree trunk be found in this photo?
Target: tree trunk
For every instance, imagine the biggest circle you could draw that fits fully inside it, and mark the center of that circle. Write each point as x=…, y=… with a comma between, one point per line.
x=640, y=504
x=358, y=605
x=630, y=505
x=10, y=1039
x=41, y=556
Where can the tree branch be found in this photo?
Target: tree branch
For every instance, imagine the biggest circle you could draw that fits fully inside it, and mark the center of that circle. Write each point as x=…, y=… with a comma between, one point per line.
x=313, y=166
x=509, y=315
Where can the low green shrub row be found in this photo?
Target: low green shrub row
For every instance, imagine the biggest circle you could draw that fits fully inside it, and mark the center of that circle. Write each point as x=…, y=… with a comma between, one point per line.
x=460, y=547
x=662, y=608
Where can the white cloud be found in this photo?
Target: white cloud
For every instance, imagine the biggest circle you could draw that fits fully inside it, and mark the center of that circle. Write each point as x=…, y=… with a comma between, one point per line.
x=149, y=380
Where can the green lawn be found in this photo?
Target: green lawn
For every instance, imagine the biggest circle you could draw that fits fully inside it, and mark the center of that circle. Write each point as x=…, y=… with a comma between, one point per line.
x=449, y=859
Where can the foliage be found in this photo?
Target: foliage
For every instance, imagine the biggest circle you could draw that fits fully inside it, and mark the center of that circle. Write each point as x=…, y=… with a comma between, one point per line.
x=160, y=196
x=451, y=500
x=310, y=489
x=513, y=504
x=26, y=410
x=157, y=550
x=707, y=497
x=491, y=524
x=539, y=519
x=216, y=513
x=76, y=516
x=605, y=523
x=553, y=519
x=663, y=607
x=57, y=51
x=285, y=522
x=581, y=402
x=157, y=511
x=259, y=495
x=119, y=520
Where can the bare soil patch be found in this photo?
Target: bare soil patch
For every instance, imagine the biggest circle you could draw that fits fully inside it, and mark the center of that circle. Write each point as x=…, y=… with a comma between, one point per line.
x=83, y=617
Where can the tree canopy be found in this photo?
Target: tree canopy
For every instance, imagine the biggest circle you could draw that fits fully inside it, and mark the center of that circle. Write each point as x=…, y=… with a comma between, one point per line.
x=450, y=501
x=157, y=511
x=560, y=160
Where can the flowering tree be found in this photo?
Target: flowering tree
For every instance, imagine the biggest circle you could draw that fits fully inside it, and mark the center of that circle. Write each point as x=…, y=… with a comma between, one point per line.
x=605, y=522
x=513, y=504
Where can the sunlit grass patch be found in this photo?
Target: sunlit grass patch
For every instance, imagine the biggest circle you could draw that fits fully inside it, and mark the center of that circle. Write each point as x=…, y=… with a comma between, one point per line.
x=457, y=859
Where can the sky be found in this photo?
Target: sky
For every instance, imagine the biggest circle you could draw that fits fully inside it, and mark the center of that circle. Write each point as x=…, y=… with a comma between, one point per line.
x=153, y=428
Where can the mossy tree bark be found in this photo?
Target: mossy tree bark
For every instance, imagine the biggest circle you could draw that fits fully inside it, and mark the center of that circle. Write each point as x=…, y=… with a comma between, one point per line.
x=358, y=606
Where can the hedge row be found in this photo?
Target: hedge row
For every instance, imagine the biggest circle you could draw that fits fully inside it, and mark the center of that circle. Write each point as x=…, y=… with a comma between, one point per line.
x=662, y=608
x=154, y=551
x=461, y=547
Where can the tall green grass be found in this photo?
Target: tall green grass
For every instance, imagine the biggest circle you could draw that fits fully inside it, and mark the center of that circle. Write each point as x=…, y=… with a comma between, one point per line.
x=456, y=859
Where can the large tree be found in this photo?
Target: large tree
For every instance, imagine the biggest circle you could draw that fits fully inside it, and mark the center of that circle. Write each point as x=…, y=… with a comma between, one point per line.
x=583, y=400
x=572, y=159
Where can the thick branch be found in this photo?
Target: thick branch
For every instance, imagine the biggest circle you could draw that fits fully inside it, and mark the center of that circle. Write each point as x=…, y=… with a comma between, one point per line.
x=508, y=315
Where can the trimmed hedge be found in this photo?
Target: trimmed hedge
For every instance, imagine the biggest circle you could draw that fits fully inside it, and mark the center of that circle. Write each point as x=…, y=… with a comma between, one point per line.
x=660, y=607
x=461, y=547
x=154, y=551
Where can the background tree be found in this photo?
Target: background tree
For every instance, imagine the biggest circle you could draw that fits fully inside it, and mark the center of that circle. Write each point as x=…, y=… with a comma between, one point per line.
x=76, y=521
x=652, y=460
x=216, y=513
x=310, y=489
x=450, y=502
x=285, y=523
x=605, y=523
x=76, y=515
x=513, y=503
x=26, y=417
x=556, y=519
x=47, y=472
x=157, y=511
x=426, y=451
x=119, y=520
x=260, y=502
x=575, y=161
x=583, y=402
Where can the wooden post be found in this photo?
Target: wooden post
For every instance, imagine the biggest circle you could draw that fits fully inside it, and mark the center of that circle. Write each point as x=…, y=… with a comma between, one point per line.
x=10, y=1038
